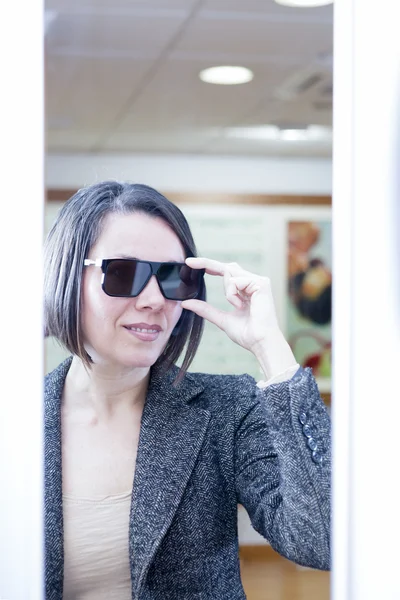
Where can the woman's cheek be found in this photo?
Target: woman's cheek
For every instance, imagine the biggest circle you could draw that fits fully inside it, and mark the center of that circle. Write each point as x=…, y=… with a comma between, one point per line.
x=173, y=315
x=178, y=312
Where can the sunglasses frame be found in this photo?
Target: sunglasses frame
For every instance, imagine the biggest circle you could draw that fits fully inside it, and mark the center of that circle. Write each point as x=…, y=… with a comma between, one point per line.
x=155, y=266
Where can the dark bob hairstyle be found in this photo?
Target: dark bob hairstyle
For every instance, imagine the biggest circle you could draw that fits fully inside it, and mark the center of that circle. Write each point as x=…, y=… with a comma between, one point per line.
x=68, y=243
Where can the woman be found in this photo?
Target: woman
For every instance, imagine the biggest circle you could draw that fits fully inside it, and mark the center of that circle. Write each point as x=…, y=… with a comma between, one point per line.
x=145, y=464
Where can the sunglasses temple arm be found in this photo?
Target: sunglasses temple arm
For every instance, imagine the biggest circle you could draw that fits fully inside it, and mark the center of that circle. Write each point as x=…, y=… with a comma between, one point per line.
x=96, y=263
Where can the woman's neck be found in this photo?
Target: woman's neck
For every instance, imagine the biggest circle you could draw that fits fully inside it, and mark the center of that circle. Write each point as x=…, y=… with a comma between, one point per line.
x=105, y=389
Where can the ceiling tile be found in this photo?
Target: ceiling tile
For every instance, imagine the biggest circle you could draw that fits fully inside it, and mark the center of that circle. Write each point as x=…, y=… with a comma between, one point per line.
x=223, y=36
x=88, y=93
x=117, y=5
x=269, y=148
x=267, y=7
x=185, y=140
x=69, y=141
x=296, y=113
x=113, y=36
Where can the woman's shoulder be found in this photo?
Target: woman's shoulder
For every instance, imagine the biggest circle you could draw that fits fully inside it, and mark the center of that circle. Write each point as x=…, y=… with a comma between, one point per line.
x=228, y=398
x=224, y=385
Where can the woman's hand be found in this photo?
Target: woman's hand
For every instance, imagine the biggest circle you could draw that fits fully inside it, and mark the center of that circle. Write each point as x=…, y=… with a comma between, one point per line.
x=253, y=323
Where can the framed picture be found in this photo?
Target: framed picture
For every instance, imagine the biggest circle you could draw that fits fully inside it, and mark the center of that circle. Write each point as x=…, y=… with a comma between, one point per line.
x=308, y=298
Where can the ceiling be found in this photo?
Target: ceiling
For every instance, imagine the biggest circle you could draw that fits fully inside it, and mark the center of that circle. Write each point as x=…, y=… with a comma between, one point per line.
x=122, y=75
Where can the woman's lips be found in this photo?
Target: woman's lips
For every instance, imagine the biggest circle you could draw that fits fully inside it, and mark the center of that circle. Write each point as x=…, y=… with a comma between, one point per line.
x=144, y=331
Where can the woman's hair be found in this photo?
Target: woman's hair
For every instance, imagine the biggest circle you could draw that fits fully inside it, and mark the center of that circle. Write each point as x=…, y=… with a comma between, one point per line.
x=75, y=231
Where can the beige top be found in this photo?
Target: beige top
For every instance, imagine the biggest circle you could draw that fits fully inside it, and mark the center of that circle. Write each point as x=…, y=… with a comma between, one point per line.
x=96, y=548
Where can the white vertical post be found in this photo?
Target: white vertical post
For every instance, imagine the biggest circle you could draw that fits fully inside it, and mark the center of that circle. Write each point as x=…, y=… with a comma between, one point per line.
x=21, y=365
x=366, y=234
x=342, y=267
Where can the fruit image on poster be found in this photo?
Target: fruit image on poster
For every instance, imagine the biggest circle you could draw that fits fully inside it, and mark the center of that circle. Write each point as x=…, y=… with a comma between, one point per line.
x=309, y=295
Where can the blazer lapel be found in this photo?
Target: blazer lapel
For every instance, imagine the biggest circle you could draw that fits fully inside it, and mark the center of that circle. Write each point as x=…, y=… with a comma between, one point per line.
x=53, y=513
x=171, y=435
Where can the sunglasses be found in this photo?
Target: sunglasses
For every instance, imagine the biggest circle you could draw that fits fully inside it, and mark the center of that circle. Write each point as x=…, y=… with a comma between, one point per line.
x=127, y=277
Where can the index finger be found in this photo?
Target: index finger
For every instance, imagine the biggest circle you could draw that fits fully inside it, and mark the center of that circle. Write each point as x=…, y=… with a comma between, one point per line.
x=212, y=267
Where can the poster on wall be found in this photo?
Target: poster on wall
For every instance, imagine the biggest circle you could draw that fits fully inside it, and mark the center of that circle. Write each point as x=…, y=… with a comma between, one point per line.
x=309, y=296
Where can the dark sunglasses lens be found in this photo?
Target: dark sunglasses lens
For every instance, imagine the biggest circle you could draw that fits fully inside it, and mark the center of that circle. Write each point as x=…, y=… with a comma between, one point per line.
x=126, y=277
x=179, y=282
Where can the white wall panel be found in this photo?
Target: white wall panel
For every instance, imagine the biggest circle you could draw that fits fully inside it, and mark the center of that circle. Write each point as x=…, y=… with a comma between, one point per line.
x=366, y=409
x=21, y=367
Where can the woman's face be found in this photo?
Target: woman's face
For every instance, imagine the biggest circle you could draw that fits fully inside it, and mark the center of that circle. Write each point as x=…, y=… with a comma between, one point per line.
x=110, y=324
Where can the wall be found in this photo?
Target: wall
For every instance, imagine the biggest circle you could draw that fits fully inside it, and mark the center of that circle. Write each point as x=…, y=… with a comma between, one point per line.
x=194, y=173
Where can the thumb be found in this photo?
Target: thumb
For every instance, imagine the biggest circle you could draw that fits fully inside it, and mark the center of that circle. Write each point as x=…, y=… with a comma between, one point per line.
x=205, y=310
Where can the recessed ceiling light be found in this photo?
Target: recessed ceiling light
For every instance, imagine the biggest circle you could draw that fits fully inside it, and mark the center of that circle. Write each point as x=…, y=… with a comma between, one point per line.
x=319, y=132
x=311, y=133
x=256, y=132
x=226, y=75
x=293, y=135
x=304, y=3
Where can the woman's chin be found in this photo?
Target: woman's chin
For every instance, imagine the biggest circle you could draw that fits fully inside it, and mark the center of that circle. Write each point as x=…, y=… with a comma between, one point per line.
x=126, y=361
x=142, y=361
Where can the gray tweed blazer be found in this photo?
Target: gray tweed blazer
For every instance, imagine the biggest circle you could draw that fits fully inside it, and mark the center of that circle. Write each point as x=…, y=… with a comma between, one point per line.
x=214, y=442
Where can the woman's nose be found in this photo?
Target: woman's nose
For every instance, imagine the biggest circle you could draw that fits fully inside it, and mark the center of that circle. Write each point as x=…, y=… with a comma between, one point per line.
x=151, y=296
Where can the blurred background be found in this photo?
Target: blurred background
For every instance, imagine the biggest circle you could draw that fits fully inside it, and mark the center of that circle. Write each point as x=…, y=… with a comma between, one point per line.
x=224, y=106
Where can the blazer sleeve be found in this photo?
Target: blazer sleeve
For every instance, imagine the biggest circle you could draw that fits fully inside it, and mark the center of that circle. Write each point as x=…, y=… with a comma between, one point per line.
x=283, y=468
